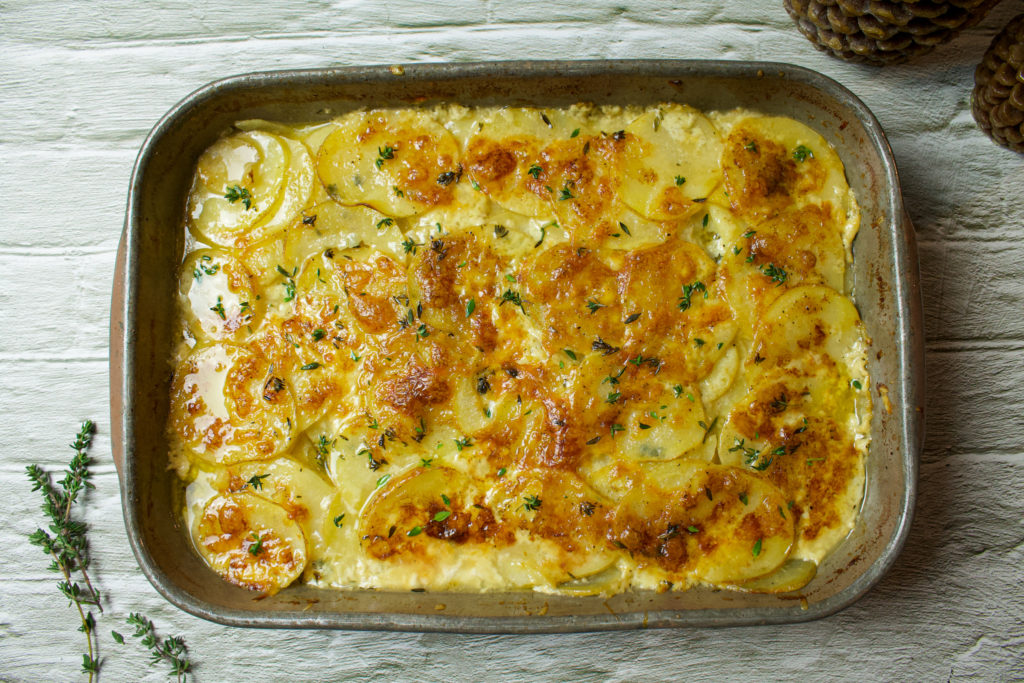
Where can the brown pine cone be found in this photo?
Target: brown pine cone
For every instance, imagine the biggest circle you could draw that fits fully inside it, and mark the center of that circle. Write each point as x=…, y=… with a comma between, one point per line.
x=883, y=32
x=998, y=99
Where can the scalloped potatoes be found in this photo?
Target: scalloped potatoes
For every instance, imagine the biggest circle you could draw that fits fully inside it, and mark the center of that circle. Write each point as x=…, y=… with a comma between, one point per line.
x=572, y=350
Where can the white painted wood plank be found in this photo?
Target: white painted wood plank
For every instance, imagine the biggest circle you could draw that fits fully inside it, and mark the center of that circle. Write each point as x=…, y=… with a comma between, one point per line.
x=80, y=86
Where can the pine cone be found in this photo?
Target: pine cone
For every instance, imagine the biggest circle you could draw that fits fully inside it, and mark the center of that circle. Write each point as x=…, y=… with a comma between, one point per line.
x=883, y=32
x=998, y=99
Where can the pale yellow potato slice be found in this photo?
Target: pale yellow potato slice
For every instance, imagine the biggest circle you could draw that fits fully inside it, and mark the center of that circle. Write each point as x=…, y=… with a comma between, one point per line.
x=238, y=182
x=329, y=224
x=295, y=195
x=229, y=404
x=671, y=160
x=810, y=322
x=398, y=162
x=664, y=428
x=793, y=575
x=251, y=542
x=219, y=296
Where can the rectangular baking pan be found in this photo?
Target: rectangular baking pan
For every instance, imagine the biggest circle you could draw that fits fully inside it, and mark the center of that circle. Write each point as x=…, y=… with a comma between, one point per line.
x=886, y=285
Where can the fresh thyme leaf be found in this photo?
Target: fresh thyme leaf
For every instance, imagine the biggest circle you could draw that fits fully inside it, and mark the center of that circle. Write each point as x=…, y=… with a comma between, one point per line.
x=777, y=274
x=442, y=515
x=171, y=649
x=219, y=308
x=470, y=307
x=256, y=481
x=464, y=442
x=680, y=180
x=256, y=547
x=68, y=546
x=235, y=193
x=625, y=228
x=756, y=550
x=511, y=297
x=565, y=193
x=385, y=223
x=570, y=353
x=801, y=153
x=574, y=133
x=593, y=306
x=688, y=292
x=339, y=520
x=531, y=503
x=535, y=171
x=383, y=154
x=751, y=146
x=310, y=366
x=415, y=531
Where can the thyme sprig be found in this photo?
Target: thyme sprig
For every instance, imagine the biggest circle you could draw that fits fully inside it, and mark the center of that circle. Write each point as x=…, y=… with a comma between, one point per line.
x=68, y=545
x=172, y=649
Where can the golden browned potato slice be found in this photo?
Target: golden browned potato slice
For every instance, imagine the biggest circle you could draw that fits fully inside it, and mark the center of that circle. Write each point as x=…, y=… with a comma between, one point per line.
x=426, y=512
x=503, y=159
x=229, y=404
x=238, y=182
x=775, y=163
x=219, y=296
x=671, y=160
x=564, y=518
x=398, y=162
x=251, y=542
x=715, y=523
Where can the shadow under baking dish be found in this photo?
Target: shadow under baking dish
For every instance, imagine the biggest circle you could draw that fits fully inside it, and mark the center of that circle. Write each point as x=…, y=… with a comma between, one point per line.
x=886, y=286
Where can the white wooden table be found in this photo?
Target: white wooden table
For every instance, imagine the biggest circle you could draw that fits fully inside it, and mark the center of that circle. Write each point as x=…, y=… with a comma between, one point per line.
x=81, y=83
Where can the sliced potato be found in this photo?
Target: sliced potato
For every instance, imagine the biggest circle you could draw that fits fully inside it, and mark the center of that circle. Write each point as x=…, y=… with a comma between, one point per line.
x=672, y=159
x=810, y=322
x=793, y=575
x=775, y=163
x=251, y=542
x=329, y=224
x=718, y=524
x=426, y=511
x=563, y=515
x=229, y=404
x=219, y=296
x=398, y=162
x=503, y=159
x=295, y=195
x=238, y=182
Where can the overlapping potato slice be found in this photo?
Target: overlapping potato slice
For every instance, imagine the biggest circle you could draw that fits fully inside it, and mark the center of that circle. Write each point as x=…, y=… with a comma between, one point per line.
x=575, y=297
x=671, y=298
x=582, y=176
x=238, y=182
x=295, y=195
x=775, y=163
x=448, y=273
x=503, y=159
x=811, y=322
x=400, y=162
x=562, y=515
x=425, y=512
x=230, y=404
x=219, y=296
x=671, y=162
x=251, y=542
x=713, y=523
x=329, y=225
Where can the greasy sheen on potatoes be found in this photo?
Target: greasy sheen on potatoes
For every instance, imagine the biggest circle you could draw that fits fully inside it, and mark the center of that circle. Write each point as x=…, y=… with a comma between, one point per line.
x=579, y=350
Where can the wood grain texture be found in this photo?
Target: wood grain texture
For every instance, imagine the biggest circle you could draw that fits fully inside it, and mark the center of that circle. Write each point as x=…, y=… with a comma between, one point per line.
x=81, y=84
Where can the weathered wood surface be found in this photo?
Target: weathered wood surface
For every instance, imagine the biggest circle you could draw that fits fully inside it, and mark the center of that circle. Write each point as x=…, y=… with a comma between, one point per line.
x=82, y=83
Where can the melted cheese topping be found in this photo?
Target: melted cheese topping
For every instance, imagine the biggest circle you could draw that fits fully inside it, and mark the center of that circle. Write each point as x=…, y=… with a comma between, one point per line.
x=579, y=351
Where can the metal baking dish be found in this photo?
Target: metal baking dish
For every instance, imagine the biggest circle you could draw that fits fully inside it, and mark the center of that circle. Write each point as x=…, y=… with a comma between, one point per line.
x=887, y=292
